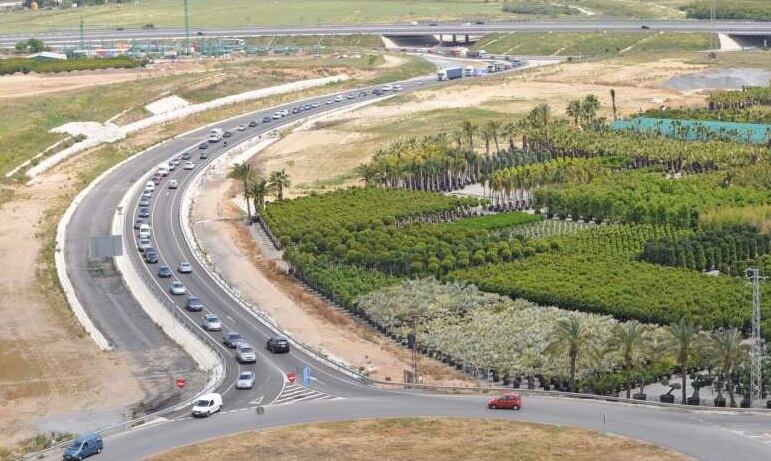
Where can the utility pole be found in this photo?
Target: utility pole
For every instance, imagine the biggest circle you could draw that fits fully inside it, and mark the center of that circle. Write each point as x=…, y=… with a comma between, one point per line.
x=714, y=41
x=756, y=351
x=82, y=38
x=187, y=30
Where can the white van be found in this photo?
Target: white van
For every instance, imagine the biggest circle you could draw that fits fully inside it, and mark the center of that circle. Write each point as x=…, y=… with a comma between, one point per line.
x=150, y=186
x=163, y=169
x=144, y=231
x=207, y=404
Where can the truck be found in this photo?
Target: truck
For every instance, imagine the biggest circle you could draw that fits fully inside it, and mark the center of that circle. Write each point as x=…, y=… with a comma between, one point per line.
x=216, y=134
x=450, y=73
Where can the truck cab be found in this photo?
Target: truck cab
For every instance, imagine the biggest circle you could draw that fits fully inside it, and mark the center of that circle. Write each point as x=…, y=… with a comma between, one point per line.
x=216, y=134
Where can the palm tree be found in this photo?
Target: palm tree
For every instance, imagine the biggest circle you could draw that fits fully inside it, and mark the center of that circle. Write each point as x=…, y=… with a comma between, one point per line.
x=258, y=190
x=242, y=172
x=589, y=108
x=278, y=181
x=683, y=338
x=469, y=129
x=572, y=335
x=628, y=338
x=493, y=127
x=727, y=351
x=573, y=110
x=613, y=101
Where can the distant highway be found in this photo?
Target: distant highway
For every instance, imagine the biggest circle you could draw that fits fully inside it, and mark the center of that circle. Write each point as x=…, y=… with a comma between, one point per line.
x=63, y=37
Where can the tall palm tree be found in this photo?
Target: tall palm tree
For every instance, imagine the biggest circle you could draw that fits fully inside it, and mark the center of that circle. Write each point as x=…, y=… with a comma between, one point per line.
x=727, y=351
x=573, y=110
x=683, y=342
x=469, y=129
x=613, y=102
x=589, y=108
x=572, y=335
x=243, y=172
x=258, y=190
x=278, y=181
x=628, y=339
x=493, y=127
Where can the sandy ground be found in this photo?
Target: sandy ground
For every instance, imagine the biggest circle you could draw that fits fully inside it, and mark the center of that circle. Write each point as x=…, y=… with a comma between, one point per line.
x=427, y=439
x=329, y=152
x=229, y=243
x=48, y=366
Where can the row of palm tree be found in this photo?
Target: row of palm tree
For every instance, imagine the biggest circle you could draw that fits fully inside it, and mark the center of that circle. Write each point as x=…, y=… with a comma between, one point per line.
x=258, y=188
x=684, y=341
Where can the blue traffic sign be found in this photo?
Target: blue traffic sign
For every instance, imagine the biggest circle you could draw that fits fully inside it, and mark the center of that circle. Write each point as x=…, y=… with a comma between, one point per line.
x=307, y=376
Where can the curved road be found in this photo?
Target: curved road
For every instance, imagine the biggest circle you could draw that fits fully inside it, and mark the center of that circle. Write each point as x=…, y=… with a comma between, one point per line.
x=73, y=36
x=332, y=394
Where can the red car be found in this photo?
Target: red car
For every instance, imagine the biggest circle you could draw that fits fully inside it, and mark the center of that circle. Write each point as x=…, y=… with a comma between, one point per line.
x=506, y=401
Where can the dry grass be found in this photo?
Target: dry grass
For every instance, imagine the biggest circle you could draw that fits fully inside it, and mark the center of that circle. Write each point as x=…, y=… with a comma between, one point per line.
x=425, y=439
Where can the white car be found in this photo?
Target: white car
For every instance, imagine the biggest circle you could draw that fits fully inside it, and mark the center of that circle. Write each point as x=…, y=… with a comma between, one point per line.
x=338, y=98
x=207, y=404
x=285, y=112
x=245, y=380
x=210, y=322
x=388, y=87
x=185, y=268
x=398, y=87
x=188, y=166
x=173, y=184
x=241, y=128
x=328, y=101
x=277, y=115
x=245, y=353
x=149, y=186
x=176, y=288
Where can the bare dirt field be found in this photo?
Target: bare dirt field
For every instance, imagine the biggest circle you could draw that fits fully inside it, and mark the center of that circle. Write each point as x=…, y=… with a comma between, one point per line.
x=426, y=439
x=47, y=364
x=326, y=155
x=263, y=283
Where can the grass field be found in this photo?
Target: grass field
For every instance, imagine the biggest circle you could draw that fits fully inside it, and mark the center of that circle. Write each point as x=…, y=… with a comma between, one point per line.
x=427, y=439
x=592, y=43
x=24, y=131
x=206, y=13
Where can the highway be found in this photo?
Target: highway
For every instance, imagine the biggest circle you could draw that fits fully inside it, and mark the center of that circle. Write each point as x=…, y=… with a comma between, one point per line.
x=63, y=37
x=332, y=394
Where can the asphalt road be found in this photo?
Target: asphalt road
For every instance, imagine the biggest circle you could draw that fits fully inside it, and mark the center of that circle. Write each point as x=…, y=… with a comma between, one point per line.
x=702, y=435
x=73, y=36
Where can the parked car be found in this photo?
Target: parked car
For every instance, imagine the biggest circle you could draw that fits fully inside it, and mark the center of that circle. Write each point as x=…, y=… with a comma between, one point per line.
x=83, y=447
x=211, y=322
x=173, y=184
x=186, y=156
x=245, y=380
x=194, y=304
x=278, y=344
x=185, y=268
x=164, y=272
x=188, y=166
x=506, y=401
x=151, y=256
x=176, y=288
x=207, y=405
x=232, y=339
x=144, y=212
x=245, y=353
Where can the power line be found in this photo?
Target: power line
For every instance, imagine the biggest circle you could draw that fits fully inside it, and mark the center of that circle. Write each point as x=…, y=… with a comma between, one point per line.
x=756, y=351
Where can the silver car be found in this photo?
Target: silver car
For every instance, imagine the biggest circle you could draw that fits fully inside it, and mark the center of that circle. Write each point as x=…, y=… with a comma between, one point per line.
x=211, y=322
x=144, y=244
x=245, y=380
x=185, y=268
x=245, y=353
x=176, y=288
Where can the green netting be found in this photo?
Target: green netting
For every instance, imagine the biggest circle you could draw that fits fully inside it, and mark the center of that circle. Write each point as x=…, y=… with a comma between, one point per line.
x=755, y=133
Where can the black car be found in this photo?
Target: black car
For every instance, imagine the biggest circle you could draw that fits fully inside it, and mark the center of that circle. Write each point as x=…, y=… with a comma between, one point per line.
x=278, y=345
x=227, y=134
x=377, y=91
x=151, y=256
x=186, y=156
x=203, y=145
x=295, y=110
x=253, y=123
x=203, y=156
x=164, y=272
x=645, y=27
x=266, y=119
x=138, y=223
x=232, y=339
x=144, y=212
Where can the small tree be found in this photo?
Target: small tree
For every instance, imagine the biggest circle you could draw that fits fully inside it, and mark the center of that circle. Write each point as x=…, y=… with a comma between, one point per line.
x=572, y=336
x=727, y=351
x=242, y=172
x=683, y=341
x=278, y=182
x=628, y=339
x=258, y=190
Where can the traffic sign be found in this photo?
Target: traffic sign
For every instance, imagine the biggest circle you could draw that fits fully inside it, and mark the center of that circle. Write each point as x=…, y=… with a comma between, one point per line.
x=307, y=376
x=181, y=383
x=291, y=376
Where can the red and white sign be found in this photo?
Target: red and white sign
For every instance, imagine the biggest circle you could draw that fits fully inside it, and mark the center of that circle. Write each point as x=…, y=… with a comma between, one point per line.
x=291, y=376
x=180, y=382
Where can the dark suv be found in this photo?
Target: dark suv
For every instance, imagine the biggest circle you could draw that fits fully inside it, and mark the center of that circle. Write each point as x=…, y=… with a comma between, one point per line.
x=278, y=344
